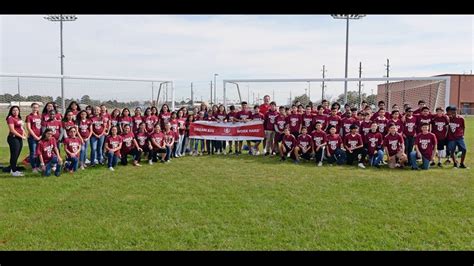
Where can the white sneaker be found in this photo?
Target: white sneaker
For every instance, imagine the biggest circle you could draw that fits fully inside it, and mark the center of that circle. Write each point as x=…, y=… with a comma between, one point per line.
x=257, y=153
x=88, y=161
x=361, y=165
x=35, y=171
x=53, y=168
x=320, y=164
x=224, y=153
x=111, y=169
x=150, y=162
x=218, y=152
x=82, y=167
x=16, y=173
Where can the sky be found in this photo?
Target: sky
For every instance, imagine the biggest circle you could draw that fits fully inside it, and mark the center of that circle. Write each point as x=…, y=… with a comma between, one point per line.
x=191, y=48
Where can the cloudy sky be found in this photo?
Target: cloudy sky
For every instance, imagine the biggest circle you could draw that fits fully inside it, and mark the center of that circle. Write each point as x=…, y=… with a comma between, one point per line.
x=192, y=48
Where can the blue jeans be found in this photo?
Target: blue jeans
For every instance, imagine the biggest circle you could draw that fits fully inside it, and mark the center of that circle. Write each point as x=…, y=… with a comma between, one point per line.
x=32, y=143
x=375, y=159
x=49, y=165
x=168, y=153
x=339, y=157
x=96, y=148
x=409, y=143
x=426, y=162
x=112, y=159
x=457, y=142
x=83, y=154
x=73, y=162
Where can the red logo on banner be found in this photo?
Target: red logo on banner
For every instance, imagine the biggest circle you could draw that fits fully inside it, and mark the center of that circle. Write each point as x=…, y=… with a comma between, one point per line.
x=252, y=130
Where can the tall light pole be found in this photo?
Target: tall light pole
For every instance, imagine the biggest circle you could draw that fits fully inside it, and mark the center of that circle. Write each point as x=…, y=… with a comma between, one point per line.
x=215, y=88
x=347, y=17
x=60, y=19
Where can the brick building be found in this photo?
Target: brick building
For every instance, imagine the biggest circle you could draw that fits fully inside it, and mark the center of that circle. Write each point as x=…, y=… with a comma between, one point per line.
x=460, y=92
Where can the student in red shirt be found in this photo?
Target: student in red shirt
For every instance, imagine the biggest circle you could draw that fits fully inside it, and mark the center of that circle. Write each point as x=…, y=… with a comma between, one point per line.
x=365, y=125
x=422, y=118
x=374, y=145
x=287, y=145
x=74, y=108
x=421, y=104
x=169, y=140
x=304, y=145
x=439, y=127
x=68, y=123
x=115, y=119
x=319, y=142
x=327, y=110
x=280, y=125
x=150, y=120
x=130, y=147
x=113, y=145
x=53, y=124
x=381, y=105
x=157, y=145
x=48, y=154
x=307, y=118
x=394, y=147
x=180, y=149
x=72, y=147
x=243, y=116
x=396, y=121
x=256, y=116
x=47, y=109
x=409, y=130
x=334, y=120
x=142, y=138
x=125, y=119
x=321, y=118
x=98, y=137
x=456, y=136
x=33, y=124
x=334, y=150
x=85, y=131
x=338, y=109
x=231, y=119
x=382, y=121
x=294, y=122
x=425, y=148
x=269, y=125
x=347, y=121
x=137, y=119
x=15, y=138
x=164, y=115
x=354, y=146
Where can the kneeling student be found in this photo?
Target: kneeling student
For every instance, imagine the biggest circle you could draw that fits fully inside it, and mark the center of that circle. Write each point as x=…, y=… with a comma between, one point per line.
x=374, y=144
x=130, y=146
x=287, y=145
x=48, y=154
x=72, y=146
x=157, y=145
x=394, y=147
x=319, y=142
x=304, y=145
x=425, y=143
x=113, y=144
x=334, y=151
x=354, y=146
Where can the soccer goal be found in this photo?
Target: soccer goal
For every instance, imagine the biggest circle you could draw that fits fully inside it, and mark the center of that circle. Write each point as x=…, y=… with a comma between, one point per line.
x=435, y=91
x=114, y=92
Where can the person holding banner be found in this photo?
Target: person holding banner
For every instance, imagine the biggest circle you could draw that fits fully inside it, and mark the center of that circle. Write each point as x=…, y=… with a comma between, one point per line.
x=256, y=116
x=231, y=117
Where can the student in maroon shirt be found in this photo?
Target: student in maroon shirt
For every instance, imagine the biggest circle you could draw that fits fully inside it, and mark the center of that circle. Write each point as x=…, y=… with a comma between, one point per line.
x=169, y=140
x=382, y=121
x=423, y=118
x=304, y=145
x=85, y=131
x=374, y=145
x=334, y=150
x=243, y=116
x=15, y=138
x=321, y=118
x=334, y=120
x=47, y=109
x=180, y=151
x=113, y=145
x=72, y=147
x=409, y=130
x=74, y=108
x=294, y=122
x=347, y=121
x=33, y=124
x=394, y=147
x=114, y=118
x=150, y=120
x=231, y=118
x=421, y=104
x=439, y=127
x=165, y=115
x=48, y=154
x=68, y=123
x=327, y=110
x=425, y=144
x=105, y=114
x=338, y=108
x=130, y=147
x=53, y=124
x=456, y=136
x=142, y=138
x=137, y=119
x=256, y=116
x=307, y=118
x=98, y=137
x=319, y=141
x=354, y=146
x=280, y=125
x=125, y=119
x=365, y=126
x=287, y=145
x=381, y=105
x=269, y=126
x=157, y=145
x=396, y=121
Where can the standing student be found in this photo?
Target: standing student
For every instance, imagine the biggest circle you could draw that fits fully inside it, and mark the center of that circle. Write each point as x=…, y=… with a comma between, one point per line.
x=304, y=145
x=115, y=119
x=193, y=143
x=137, y=119
x=439, y=127
x=48, y=154
x=72, y=147
x=354, y=146
x=256, y=116
x=68, y=123
x=209, y=144
x=425, y=144
x=169, y=140
x=327, y=110
x=15, y=138
x=85, y=131
x=287, y=145
x=347, y=121
x=334, y=120
x=307, y=118
x=334, y=150
x=157, y=145
x=382, y=121
x=395, y=119
x=338, y=109
x=424, y=118
x=98, y=137
x=365, y=126
x=130, y=146
x=33, y=124
x=50, y=106
x=231, y=117
x=409, y=130
x=142, y=138
x=319, y=142
x=280, y=125
x=394, y=148
x=381, y=105
x=294, y=122
x=374, y=145
x=180, y=151
x=125, y=119
x=320, y=117
x=150, y=120
x=74, y=108
x=243, y=116
x=456, y=136
x=164, y=115
x=54, y=124
x=88, y=110
x=154, y=111
x=113, y=145
x=421, y=104
x=269, y=126
x=221, y=117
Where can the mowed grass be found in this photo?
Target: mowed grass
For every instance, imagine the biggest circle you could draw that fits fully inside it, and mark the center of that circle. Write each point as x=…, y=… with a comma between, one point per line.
x=239, y=203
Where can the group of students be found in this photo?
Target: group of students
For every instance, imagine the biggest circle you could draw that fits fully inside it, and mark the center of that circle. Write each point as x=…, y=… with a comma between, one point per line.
x=319, y=133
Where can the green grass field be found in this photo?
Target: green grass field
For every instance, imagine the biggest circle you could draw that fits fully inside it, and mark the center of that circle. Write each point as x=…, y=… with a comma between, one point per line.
x=239, y=203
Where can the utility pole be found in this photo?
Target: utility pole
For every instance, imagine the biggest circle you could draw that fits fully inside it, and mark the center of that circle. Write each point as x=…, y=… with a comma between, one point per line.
x=192, y=95
x=360, y=83
x=19, y=95
x=323, y=86
x=210, y=100
x=387, y=92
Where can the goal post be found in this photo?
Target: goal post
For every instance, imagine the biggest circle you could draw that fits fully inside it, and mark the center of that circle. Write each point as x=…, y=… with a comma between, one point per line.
x=393, y=90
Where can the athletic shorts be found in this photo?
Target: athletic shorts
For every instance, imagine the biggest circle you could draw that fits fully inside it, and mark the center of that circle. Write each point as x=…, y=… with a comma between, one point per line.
x=441, y=144
x=278, y=137
x=160, y=151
